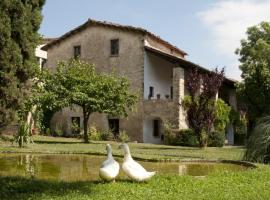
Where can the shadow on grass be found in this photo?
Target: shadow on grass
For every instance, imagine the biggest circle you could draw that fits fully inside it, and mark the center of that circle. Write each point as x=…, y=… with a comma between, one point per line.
x=27, y=188
x=57, y=142
x=180, y=148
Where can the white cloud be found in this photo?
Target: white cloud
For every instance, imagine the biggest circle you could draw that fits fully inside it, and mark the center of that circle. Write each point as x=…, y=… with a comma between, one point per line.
x=227, y=21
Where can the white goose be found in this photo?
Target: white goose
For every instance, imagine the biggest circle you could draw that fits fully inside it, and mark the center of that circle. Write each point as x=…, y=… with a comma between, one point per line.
x=109, y=168
x=133, y=169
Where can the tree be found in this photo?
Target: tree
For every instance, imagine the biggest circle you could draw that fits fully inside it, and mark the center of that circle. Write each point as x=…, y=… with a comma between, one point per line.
x=258, y=145
x=19, y=23
x=77, y=83
x=200, y=105
x=254, y=90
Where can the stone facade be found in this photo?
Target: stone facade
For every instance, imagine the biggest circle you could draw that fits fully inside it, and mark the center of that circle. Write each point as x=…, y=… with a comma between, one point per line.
x=95, y=40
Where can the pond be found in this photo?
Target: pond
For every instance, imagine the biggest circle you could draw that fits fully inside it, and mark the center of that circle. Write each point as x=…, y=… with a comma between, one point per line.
x=72, y=167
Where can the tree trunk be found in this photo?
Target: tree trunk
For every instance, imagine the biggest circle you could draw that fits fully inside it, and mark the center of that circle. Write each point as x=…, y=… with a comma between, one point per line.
x=85, y=125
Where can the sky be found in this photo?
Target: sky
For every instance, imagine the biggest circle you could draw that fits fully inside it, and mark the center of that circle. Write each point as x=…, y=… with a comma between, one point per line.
x=208, y=30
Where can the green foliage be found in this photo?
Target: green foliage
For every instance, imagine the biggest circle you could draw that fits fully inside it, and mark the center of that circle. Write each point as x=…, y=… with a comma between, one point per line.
x=183, y=137
x=19, y=25
x=48, y=132
x=77, y=82
x=94, y=134
x=58, y=132
x=254, y=90
x=107, y=135
x=123, y=136
x=216, y=139
x=23, y=135
x=222, y=115
x=219, y=110
x=258, y=145
x=239, y=121
x=200, y=106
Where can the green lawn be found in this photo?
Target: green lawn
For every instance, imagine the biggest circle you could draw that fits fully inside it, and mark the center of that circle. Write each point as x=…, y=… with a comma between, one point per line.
x=45, y=144
x=251, y=184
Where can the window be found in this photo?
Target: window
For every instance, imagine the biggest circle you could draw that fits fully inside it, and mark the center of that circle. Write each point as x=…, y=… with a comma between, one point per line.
x=155, y=127
x=171, y=92
x=77, y=51
x=115, y=47
x=114, y=126
x=75, y=125
x=151, y=92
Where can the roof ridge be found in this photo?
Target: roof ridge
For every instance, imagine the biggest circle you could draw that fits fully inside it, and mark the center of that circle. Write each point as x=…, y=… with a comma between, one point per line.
x=106, y=23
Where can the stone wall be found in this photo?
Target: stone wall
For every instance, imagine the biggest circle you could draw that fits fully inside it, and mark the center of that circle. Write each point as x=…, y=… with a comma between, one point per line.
x=95, y=48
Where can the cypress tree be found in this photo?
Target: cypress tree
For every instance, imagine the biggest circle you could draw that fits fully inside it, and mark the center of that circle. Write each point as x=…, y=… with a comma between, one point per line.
x=19, y=24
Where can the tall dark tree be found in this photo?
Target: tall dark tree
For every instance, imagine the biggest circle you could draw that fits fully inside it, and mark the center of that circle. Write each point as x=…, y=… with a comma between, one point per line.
x=19, y=24
x=200, y=104
x=254, y=90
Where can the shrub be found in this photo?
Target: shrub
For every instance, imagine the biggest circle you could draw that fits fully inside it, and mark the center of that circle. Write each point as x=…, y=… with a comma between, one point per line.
x=94, y=134
x=183, y=137
x=123, y=137
x=216, y=139
x=107, y=135
x=223, y=112
x=58, y=132
x=258, y=145
x=48, y=132
x=23, y=135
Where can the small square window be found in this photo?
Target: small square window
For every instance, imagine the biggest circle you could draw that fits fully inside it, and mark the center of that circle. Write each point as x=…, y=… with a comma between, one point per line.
x=77, y=51
x=115, y=47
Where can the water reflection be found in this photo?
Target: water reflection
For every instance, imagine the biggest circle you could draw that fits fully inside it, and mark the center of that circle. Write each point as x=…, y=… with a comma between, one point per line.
x=85, y=167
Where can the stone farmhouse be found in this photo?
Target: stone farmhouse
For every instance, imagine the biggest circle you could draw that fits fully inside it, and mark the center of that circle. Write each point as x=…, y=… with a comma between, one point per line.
x=155, y=68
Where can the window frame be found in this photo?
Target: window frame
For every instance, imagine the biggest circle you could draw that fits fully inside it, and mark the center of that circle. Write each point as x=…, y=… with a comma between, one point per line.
x=77, y=51
x=114, y=47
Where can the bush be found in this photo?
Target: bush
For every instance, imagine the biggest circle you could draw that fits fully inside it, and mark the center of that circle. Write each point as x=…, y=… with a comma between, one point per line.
x=123, y=137
x=23, y=135
x=58, y=132
x=107, y=135
x=216, y=139
x=258, y=145
x=223, y=111
x=94, y=134
x=48, y=132
x=183, y=137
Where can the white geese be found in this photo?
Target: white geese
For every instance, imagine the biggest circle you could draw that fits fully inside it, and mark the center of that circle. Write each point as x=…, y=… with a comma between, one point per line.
x=109, y=168
x=133, y=169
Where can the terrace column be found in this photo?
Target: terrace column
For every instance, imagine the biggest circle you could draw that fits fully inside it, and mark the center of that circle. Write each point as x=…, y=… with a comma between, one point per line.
x=178, y=95
x=233, y=104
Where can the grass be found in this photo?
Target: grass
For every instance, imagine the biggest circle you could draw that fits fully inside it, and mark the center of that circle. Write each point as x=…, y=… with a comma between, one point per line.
x=250, y=184
x=253, y=184
x=45, y=144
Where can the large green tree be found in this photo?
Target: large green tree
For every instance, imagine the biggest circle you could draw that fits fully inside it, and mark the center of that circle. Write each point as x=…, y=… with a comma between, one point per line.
x=19, y=24
x=254, y=90
x=76, y=82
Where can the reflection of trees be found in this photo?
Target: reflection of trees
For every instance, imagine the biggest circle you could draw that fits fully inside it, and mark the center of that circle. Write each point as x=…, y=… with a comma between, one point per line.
x=26, y=164
x=84, y=166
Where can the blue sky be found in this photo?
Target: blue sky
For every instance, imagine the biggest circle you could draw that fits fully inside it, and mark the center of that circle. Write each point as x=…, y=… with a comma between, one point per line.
x=208, y=30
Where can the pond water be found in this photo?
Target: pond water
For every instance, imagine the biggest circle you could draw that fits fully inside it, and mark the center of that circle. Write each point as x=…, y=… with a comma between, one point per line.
x=66, y=167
